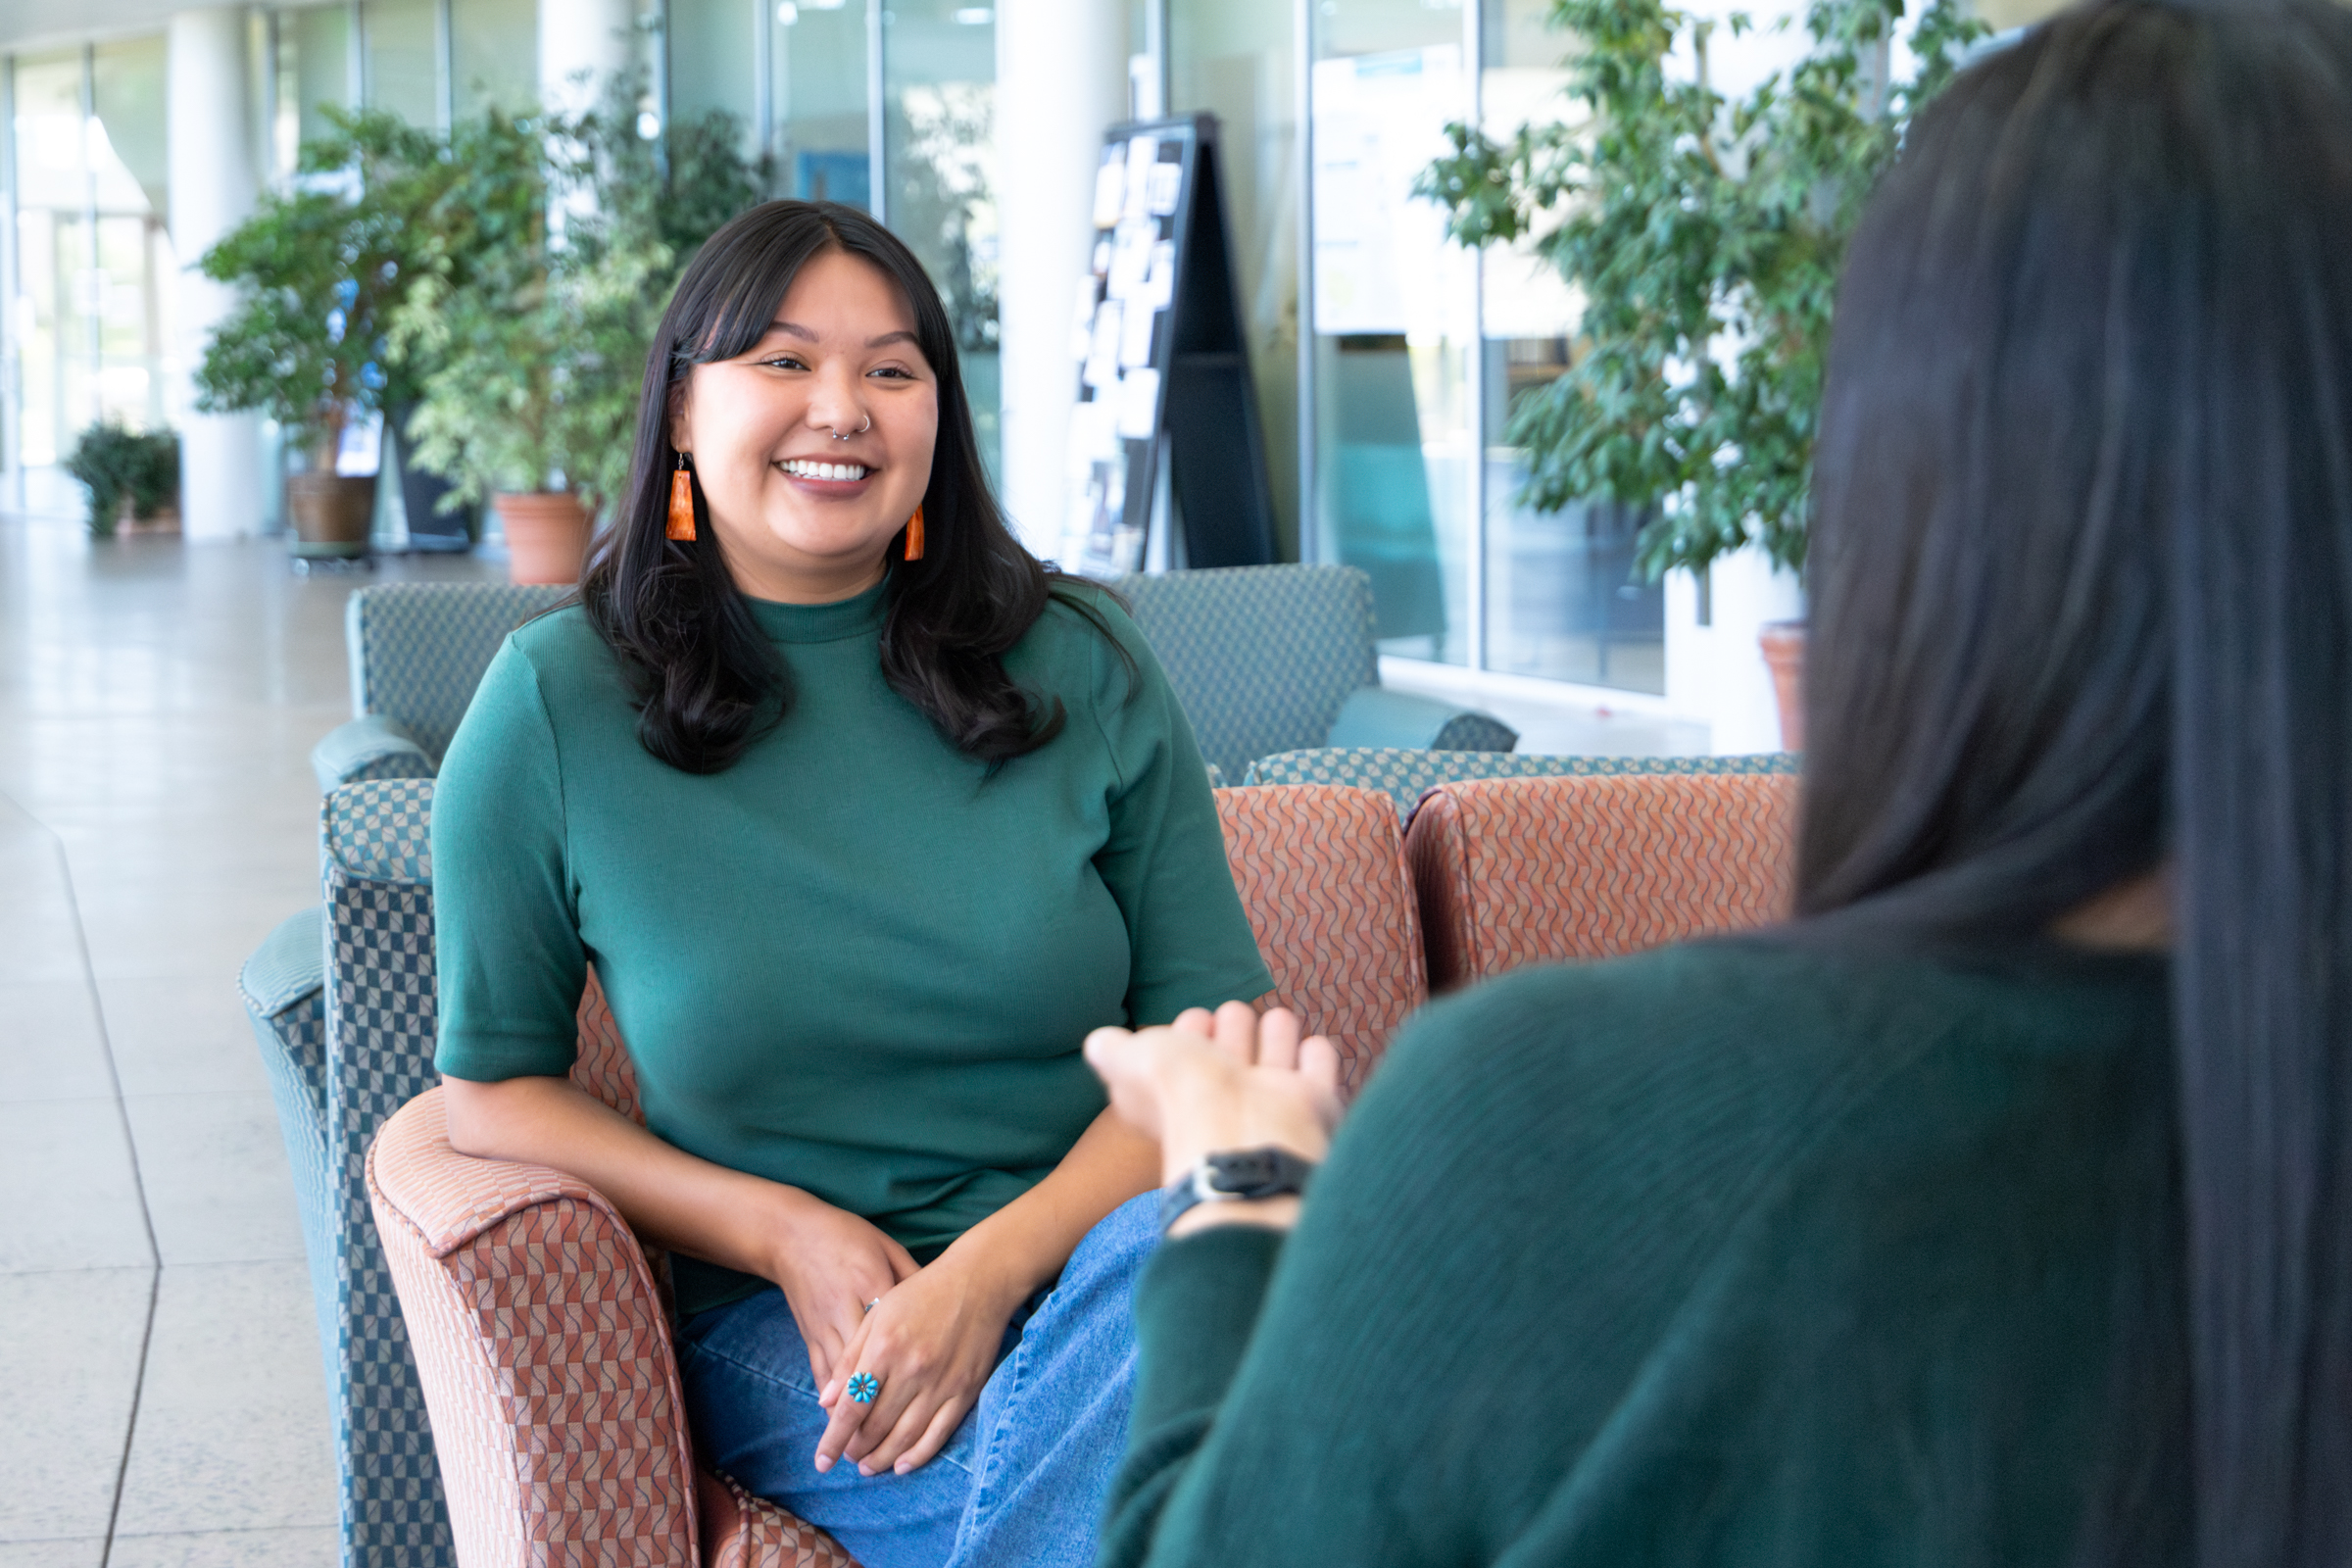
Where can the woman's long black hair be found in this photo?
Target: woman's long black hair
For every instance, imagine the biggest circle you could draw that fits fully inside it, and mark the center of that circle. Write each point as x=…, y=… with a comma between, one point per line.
x=2082, y=608
x=709, y=681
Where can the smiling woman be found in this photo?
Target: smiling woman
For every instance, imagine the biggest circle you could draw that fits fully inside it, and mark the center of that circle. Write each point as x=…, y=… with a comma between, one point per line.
x=766, y=775
x=813, y=450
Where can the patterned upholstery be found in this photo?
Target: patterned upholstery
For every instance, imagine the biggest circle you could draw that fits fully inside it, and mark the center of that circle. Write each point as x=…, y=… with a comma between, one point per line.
x=417, y=650
x=1531, y=870
x=1261, y=657
x=284, y=999
x=548, y=1365
x=377, y=870
x=540, y=1319
x=1321, y=872
x=1407, y=775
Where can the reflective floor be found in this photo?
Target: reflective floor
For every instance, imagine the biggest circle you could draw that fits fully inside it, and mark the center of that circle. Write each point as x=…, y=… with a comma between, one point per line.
x=159, y=1362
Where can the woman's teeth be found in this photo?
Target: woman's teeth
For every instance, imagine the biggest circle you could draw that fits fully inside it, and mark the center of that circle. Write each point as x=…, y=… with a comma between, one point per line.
x=799, y=468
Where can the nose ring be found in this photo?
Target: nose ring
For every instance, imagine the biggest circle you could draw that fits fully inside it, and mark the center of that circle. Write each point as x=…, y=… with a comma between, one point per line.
x=861, y=431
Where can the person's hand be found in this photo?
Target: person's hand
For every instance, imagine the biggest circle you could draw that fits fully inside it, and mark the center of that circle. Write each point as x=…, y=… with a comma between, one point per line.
x=1203, y=1085
x=928, y=1347
x=830, y=1264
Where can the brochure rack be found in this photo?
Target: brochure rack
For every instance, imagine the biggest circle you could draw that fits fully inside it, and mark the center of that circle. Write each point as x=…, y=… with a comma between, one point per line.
x=1163, y=369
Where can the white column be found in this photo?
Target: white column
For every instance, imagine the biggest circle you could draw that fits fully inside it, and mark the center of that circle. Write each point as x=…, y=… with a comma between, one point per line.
x=1062, y=79
x=575, y=36
x=1716, y=673
x=213, y=186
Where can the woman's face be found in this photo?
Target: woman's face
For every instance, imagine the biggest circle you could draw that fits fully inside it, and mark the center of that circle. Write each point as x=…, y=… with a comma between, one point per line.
x=813, y=449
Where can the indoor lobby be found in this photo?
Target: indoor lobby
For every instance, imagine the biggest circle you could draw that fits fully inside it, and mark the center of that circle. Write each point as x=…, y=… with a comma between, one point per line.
x=199, y=1329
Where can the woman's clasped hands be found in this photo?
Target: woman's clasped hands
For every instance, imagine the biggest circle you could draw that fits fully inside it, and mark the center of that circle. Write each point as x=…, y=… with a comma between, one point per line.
x=898, y=1375
x=902, y=1352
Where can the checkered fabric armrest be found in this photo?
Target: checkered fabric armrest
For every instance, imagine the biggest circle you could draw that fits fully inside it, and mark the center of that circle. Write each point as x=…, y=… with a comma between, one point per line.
x=370, y=747
x=1321, y=872
x=1535, y=870
x=547, y=1367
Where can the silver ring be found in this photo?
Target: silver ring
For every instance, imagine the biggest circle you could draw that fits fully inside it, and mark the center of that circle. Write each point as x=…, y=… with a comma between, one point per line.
x=838, y=436
x=876, y=1302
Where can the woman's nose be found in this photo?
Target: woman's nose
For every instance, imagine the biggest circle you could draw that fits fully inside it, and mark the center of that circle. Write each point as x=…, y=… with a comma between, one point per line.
x=834, y=405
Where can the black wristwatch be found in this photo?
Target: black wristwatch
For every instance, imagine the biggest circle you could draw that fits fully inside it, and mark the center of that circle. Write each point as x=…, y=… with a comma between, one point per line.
x=1235, y=1177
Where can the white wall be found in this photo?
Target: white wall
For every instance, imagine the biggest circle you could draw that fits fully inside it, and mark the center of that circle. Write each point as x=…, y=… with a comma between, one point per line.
x=1062, y=79
x=214, y=186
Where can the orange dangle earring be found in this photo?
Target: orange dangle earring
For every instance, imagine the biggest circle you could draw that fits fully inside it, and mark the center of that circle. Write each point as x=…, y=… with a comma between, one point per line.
x=681, y=504
x=914, y=534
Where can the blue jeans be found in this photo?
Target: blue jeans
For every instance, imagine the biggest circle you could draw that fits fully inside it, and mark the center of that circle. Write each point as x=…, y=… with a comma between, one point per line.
x=1024, y=1479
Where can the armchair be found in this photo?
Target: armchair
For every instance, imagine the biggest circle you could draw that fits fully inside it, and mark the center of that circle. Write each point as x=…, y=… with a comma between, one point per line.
x=1273, y=659
x=541, y=1349
x=417, y=651
x=1536, y=870
x=1322, y=876
x=1407, y=775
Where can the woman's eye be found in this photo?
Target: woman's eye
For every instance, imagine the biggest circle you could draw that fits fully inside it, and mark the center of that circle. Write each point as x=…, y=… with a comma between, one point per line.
x=784, y=362
x=892, y=369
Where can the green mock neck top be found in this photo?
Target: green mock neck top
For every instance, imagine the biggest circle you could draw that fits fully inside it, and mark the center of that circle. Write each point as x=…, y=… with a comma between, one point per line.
x=1735, y=1255
x=856, y=962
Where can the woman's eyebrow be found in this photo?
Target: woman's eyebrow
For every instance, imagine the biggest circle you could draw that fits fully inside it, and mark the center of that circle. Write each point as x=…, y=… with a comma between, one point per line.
x=795, y=329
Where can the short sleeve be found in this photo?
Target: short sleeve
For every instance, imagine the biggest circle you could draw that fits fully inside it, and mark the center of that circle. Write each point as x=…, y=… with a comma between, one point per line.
x=505, y=925
x=1189, y=939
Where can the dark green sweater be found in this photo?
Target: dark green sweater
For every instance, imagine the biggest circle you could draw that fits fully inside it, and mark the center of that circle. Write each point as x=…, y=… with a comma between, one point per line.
x=856, y=962
x=1729, y=1255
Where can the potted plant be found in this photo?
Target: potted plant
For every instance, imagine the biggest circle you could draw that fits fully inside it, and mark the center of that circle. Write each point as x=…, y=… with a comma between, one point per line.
x=1705, y=234
x=538, y=347
x=408, y=173
x=318, y=269
x=132, y=476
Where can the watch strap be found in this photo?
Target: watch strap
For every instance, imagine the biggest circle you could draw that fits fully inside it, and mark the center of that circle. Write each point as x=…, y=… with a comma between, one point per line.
x=1235, y=1176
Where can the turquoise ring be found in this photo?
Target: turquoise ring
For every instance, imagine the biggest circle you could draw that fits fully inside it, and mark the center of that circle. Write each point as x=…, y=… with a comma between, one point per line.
x=864, y=1387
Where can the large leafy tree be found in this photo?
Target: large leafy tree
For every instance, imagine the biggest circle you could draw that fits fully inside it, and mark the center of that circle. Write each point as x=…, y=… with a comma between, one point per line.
x=1706, y=235
x=320, y=270
x=537, y=332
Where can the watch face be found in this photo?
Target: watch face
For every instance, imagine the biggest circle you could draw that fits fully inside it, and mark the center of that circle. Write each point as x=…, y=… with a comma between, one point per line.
x=1239, y=1172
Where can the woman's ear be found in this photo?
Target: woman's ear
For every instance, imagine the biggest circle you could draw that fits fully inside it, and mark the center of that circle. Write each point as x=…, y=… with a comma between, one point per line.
x=679, y=439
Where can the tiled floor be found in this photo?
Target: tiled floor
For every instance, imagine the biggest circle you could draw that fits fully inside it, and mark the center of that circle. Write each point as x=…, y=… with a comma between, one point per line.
x=158, y=701
x=164, y=1401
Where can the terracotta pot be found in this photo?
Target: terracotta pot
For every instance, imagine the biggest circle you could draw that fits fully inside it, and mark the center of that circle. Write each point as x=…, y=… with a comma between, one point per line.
x=166, y=520
x=330, y=513
x=546, y=535
x=1784, y=643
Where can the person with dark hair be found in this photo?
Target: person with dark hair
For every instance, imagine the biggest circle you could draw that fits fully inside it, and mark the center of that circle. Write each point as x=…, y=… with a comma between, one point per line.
x=1996, y=1210
x=863, y=819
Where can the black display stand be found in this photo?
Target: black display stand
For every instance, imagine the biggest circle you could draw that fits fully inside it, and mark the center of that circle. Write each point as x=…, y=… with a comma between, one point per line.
x=1163, y=366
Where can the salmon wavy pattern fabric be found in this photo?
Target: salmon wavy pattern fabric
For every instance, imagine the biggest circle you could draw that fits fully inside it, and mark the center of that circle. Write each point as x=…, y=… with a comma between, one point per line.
x=1321, y=872
x=544, y=1357
x=1536, y=870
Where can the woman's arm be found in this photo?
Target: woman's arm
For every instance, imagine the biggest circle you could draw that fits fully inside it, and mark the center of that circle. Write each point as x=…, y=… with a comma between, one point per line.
x=829, y=1262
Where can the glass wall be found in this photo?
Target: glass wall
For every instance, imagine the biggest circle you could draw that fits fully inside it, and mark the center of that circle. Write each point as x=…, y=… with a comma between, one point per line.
x=1561, y=597
x=939, y=88
x=1396, y=324
x=1417, y=349
x=493, y=54
x=400, y=59
x=713, y=49
x=820, y=127
x=93, y=310
x=1239, y=60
